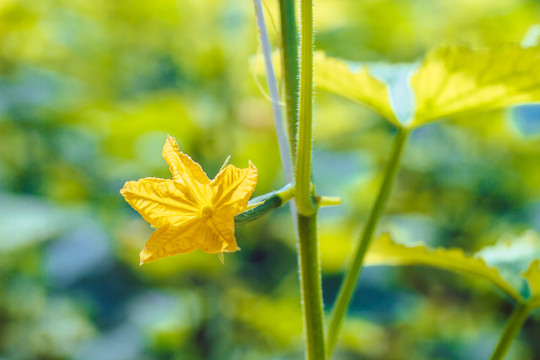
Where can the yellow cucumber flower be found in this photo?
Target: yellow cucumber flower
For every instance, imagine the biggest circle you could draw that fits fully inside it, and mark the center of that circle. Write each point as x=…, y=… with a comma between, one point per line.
x=190, y=211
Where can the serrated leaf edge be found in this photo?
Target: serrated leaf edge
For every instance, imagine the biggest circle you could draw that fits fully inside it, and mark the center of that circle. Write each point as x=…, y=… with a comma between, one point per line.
x=452, y=259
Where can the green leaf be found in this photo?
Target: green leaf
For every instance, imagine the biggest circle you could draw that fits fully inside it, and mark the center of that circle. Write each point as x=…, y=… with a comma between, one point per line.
x=384, y=251
x=512, y=256
x=455, y=80
x=450, y=81
x=359, y=84
x=533, y=279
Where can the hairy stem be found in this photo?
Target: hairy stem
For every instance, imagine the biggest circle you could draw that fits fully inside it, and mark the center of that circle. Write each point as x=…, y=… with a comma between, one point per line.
x=308, y=249
x=353, y=271
x=303, y=157
x=310, y=282
x=264, y=204
x=290, y=68
x=514, y=324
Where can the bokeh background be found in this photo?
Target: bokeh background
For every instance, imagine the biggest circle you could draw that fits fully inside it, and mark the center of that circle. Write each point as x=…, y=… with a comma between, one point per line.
x=89, y=91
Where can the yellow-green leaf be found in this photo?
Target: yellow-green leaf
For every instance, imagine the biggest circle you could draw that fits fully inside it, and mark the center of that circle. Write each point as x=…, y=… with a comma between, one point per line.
x=512, y=255
x=385, y=251
x=452, y=80
x=342, y=78
x=533, y=279
x=455, y=80
x=337, y=76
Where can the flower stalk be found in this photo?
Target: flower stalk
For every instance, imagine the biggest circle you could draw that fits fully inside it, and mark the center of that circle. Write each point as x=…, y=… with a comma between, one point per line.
x=265, y=203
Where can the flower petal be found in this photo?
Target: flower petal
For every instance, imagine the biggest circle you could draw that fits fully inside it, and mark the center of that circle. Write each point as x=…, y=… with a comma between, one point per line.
x=182, y=168
x=161, y=202
x=233, y=187
x=220, y=234
x=172, y=240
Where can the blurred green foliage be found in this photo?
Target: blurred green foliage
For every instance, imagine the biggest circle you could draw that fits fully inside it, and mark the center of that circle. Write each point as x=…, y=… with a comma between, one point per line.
x=90, y=89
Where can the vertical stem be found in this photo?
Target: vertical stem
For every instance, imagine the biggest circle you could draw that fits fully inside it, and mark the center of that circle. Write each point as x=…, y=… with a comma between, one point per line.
x=303, y=156
x=310, y=280
x=514, y=324
x=289, y=41
x=274, y=93
x=308, y=250
x=290, y=68
x=354, y=269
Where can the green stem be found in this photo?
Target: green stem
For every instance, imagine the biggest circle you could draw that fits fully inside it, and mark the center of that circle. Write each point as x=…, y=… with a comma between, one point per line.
x=514, y=324
x=308, y=250
x=303, y=157
x=310, y=281
x=290, y=68
x=353, y=272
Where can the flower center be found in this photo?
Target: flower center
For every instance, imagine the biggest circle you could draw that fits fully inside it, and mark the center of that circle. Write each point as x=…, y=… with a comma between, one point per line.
x=206, y=211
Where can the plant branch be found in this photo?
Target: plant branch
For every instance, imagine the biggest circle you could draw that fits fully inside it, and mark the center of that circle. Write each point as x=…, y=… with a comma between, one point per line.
x=353, y=272
x=514, y=324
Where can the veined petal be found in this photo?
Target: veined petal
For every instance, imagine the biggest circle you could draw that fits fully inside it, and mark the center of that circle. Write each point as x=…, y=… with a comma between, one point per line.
x=190, y=211
x=220, y=234
x=160, y=202
x=172, y=240
x=233, y=187
x=182, y=167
